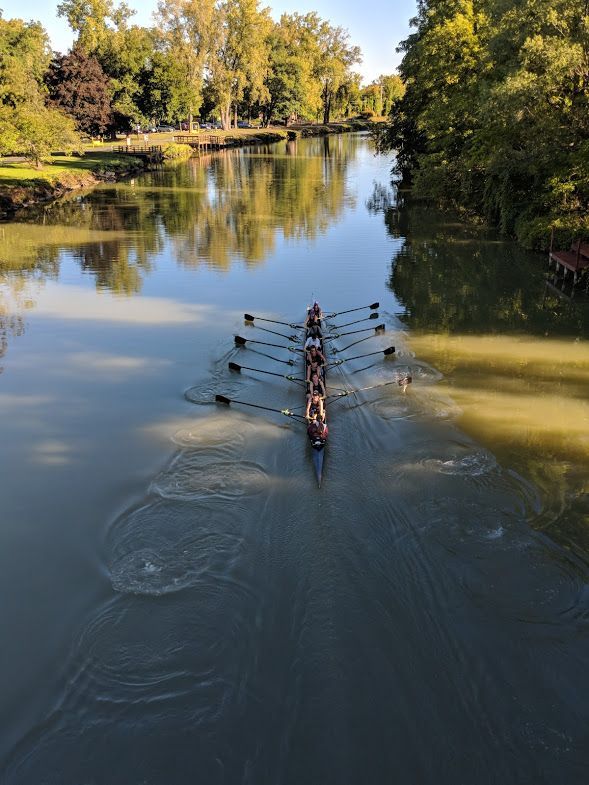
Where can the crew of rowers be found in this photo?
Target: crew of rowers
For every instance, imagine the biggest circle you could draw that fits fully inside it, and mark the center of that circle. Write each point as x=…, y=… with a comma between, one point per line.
x=315, y=376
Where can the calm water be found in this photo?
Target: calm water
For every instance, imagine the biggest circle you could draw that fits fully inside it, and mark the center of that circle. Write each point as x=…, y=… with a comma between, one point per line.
x=181, y=604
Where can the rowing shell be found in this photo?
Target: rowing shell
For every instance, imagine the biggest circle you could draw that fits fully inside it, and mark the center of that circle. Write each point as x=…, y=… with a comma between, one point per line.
x=317, y=448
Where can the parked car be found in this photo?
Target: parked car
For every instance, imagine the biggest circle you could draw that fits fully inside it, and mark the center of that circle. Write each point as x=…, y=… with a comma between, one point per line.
x=165, y=129
x=243, y=124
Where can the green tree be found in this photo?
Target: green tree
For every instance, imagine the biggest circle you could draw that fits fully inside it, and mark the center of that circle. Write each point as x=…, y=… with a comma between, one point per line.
x=336, y=58
x=185, y=31
x=240, y=55
x=93, y=20
x=495, y=117
x=27, y=126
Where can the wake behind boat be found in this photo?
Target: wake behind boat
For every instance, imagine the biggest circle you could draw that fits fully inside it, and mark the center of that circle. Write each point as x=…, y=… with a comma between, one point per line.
x=309, y=354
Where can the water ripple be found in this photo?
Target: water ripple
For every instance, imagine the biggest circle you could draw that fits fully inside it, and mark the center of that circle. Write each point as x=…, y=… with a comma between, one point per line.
x=164, y=547
x=189, y=478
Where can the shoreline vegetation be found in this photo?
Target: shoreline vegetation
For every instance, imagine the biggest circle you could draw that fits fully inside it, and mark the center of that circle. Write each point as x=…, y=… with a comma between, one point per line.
x=494, y=119
x=24, y=186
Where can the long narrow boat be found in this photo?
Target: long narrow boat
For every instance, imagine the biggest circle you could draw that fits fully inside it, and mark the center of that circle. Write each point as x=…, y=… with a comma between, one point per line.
x=317, y=446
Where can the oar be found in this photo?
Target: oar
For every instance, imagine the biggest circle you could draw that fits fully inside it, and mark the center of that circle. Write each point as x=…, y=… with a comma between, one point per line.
x=242, y=342
x=343, y=393
x=282, y=335
x=239, y=368
x=286, y=412
x=361, y=308
x=356, y=321
x=249, y=318
x=290, y=360
x=354, y=343
x=386, y=352
x=380, y=328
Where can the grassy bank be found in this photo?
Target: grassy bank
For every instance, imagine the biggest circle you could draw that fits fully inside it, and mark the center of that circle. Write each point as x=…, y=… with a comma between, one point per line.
x=22, y=185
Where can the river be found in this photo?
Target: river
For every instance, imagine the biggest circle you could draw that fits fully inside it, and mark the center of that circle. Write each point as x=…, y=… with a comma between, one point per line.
x=181, y=603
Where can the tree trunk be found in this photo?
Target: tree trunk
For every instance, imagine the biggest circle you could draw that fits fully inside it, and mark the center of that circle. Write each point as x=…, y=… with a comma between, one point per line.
x=226, y=117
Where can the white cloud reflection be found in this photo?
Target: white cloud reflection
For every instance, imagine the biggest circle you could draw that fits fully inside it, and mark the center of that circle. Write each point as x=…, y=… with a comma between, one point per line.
x=76, y=302
x=101, y=361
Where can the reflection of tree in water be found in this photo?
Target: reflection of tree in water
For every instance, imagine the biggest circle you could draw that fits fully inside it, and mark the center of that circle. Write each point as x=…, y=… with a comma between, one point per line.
x=451, y=277
x=15, y=297
x=243, y=200
x=382, y=199
x=214, y=209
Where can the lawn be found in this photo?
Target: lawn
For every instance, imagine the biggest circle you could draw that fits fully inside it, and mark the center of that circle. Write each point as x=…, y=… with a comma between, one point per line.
x=21, y=173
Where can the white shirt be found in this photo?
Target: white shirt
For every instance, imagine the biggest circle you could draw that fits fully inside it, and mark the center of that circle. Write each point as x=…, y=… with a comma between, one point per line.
x=316, y=342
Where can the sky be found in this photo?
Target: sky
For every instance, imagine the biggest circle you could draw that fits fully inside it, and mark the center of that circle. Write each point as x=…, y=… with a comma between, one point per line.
x=375, y=26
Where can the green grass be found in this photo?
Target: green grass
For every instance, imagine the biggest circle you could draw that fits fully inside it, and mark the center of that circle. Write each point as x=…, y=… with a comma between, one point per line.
x=21, y=173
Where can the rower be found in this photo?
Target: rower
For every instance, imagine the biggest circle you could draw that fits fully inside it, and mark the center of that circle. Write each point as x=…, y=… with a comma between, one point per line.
x=315, y=407
x=316, y=386
x=313, y=338
x=317, y=433
x=315, y=362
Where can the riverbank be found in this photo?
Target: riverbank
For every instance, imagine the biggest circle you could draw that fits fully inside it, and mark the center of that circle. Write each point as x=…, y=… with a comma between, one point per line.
x=22, y=185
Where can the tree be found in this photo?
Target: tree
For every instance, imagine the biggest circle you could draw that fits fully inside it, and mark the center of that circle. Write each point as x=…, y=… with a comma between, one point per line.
x=27, y=126
x=240, y=55
x=123, y=51
x=34, y=131
x=93, y=20
x=284, y=81
x=185, y=30
x=78, y=85
x=336, y=58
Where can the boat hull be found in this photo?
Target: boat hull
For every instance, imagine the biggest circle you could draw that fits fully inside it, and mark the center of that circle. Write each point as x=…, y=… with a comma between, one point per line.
x=318, y=453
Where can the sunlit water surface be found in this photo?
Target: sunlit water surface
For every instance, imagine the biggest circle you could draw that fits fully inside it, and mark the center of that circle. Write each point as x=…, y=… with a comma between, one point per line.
x=181, y=603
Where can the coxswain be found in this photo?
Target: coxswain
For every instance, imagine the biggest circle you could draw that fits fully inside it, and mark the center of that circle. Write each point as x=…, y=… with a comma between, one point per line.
x=314, y=315
x=317, y=432
x=315, y=407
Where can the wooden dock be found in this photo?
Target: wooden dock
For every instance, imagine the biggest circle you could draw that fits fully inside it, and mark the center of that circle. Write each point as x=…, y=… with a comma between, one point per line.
x=151, y=152
x=574, y=260
x=204, y=141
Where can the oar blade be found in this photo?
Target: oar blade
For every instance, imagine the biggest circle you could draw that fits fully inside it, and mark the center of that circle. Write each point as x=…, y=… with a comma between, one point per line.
x=235, y=367
x=373, y=306
x=380, y=328
x=222, y=399
x=248, y=317
x=373, y=316
x=390, y=350
x=239, y=340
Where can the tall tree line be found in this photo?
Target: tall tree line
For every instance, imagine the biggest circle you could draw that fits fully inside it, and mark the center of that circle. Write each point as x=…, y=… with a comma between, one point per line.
x=226, y=58
x=495, y=114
